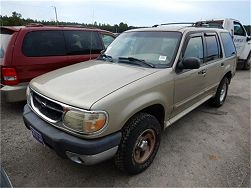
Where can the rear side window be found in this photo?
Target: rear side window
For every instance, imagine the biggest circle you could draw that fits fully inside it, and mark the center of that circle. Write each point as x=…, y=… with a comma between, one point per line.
x=5, y=36
x=212, y=48
x=44, y=43
x=82, y=42
x=228, y=44
x=107, y=39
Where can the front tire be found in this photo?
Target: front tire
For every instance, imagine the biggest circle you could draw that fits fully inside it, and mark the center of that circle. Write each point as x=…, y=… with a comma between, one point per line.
x=139, y=144
x=221, y=93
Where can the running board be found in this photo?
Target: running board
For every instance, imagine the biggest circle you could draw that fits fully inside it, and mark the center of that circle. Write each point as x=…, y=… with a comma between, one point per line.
x=180, y=115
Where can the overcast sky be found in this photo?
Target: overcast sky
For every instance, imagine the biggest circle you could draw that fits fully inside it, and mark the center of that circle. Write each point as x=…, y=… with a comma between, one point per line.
x=132, y=12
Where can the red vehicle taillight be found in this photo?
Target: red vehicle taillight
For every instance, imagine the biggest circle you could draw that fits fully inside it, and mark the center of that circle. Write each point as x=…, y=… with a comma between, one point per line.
x=9, y=76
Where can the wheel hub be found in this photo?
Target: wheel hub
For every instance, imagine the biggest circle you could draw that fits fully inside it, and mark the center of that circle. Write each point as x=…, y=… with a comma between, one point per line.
x=144, y=146
x=223, y=92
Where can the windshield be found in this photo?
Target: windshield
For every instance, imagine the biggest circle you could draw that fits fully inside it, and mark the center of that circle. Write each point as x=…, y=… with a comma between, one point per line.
x=4, y=41
x=155, y=48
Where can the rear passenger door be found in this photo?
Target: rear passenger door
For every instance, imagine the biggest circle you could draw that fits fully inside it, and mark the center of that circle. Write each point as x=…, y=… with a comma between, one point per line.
x=82, y=45
x=214, y=63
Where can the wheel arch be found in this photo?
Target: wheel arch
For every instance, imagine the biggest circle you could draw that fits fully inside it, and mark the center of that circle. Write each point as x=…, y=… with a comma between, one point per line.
x=229, y=76
x=157, y=110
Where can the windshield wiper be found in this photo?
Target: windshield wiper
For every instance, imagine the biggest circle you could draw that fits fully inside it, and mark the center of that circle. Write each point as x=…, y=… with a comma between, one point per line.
x=105, y=57
x=136, y=61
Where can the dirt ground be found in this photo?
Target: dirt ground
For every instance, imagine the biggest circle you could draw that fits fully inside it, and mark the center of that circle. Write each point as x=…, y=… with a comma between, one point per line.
x=207, y=147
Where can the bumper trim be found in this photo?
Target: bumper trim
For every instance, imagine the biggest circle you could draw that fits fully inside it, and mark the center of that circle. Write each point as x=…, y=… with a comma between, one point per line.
x=92, y=159
x=14, y=93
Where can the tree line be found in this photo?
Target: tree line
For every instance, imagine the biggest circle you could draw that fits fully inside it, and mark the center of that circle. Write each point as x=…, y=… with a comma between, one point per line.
x=17, y=20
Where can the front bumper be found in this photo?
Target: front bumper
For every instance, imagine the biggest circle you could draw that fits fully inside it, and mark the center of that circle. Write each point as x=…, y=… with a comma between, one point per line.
x=79, y=150
x=14, y=93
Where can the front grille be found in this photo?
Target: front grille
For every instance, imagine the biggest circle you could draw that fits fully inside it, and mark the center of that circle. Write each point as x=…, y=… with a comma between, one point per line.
x=47, y=108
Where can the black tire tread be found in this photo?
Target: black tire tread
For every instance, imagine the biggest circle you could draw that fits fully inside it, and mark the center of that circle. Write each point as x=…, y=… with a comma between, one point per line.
x=215, y=101
x=132, y=123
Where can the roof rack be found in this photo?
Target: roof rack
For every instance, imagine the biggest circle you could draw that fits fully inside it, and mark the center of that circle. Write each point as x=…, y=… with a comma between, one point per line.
x=76, y=26
x=174, y=23
x=70, y=26
x=194, y=24
x=34, y=25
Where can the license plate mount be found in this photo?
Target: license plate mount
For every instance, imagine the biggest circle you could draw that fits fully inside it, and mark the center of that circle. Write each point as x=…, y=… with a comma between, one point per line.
x=37, y=135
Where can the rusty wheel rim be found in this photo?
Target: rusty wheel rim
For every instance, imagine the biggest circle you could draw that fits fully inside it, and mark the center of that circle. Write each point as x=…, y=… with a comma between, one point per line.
x=144, y=146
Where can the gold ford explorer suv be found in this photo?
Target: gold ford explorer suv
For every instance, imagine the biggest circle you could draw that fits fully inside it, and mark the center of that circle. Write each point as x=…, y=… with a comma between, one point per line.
x=118, y=105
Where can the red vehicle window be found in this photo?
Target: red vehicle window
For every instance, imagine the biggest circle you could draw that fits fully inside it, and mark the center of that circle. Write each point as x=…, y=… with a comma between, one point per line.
x=5, y=37
x=79, y=42
x=44, y=43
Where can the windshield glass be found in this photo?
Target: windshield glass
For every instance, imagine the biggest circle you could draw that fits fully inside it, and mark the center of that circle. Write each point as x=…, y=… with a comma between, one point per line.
x=156, y=48
x=4, y=41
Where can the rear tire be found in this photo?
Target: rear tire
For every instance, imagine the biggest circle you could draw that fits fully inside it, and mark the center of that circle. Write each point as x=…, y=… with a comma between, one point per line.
x=139, y=144
x=246, y=65
x=221, y=93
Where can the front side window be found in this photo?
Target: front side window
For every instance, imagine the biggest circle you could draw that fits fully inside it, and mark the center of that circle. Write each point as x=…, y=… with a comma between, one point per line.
x=212, y=48
x=82, y=42
x=238, y=29
x=107, y=39
x=157, y=48
x=44, y=43
x=228, y=44
x=194, y=48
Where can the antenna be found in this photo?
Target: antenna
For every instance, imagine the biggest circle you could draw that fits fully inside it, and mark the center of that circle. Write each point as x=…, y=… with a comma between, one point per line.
x=55, y=9
x=91, y=34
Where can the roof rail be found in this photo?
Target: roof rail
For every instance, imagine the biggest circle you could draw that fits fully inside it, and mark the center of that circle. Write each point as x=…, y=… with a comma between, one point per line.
x=34, y=25
x=70, y=25
x=174, y=23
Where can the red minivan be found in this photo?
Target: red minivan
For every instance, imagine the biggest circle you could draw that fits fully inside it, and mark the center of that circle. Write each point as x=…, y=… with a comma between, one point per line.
x=29, y=51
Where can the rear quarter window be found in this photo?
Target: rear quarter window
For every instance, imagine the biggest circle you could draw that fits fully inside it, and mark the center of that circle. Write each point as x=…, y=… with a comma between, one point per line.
x=228, y=44
x=44, y=43
x=5, y=37
x=82, y=42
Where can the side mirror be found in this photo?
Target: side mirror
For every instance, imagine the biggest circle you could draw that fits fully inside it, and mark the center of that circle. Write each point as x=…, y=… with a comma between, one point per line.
x=190, y=63
x=248, y=38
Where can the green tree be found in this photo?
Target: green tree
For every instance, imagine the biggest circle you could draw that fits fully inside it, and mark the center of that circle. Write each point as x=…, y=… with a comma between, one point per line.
x=17, y=20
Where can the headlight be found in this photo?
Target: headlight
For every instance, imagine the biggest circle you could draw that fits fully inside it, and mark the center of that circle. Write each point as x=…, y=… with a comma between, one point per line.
x=85, y=122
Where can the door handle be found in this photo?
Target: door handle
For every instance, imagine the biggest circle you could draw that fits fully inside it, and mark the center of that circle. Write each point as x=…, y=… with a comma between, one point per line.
x=222, y=64
x=203, y=72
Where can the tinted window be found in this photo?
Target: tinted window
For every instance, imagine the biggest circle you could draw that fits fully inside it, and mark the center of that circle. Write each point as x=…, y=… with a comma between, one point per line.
x=228, y=44
x=107, y=40
x=212, y=48
x=194, y=48
x=5, y=37
x=44, y=43
x=238, y=29
x=82, y=42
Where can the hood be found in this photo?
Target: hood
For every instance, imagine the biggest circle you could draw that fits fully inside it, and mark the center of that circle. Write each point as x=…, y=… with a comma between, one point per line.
x=83, y=84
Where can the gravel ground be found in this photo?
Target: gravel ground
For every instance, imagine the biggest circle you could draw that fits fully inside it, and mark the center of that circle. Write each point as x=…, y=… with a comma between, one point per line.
x=207, y=147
